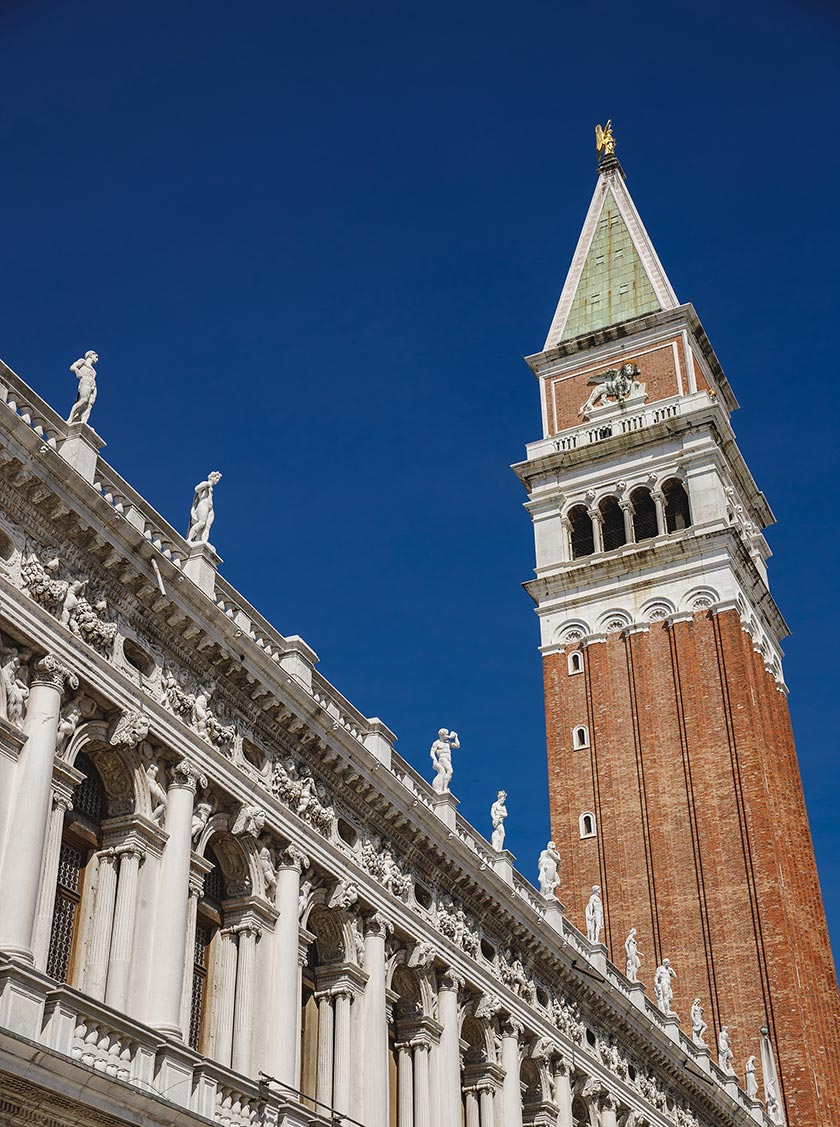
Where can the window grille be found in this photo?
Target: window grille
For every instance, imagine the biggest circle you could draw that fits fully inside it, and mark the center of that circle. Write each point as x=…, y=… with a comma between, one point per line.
x=199, y=984
x=65, y=913
x=645, y=524
x=580, y=532
x=89, y=795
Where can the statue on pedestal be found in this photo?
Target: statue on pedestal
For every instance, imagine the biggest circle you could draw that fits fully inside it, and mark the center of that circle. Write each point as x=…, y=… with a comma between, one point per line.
x=726, y=1057
x=85, y=372
x=441, y=756
x=498, y=813
x=201, y=514
x=751, y=1082
x=634, y=961
x=594, y=916
x=662, y=987
x=698, y=1025
x=549, y=878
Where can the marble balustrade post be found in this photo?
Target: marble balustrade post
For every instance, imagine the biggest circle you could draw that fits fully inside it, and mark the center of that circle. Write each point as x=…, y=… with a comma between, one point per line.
x=405, y=1085
x=326, y=1042
x=422, y=1092
x=376, y=1024
x=96, y=963
x=562, y=1091
x=49, y=879
x=122, y=932
x=471, y=1108
x=29, y=811
x=243, y=1014
x=487, y=1105
x=196, y=888
x=511, y=1090
x=284, y=1057
x=167, y=978
x=449, y=1049
x=343, y=1000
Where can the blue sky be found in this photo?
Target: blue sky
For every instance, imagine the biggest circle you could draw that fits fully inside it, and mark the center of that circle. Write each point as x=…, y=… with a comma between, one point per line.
x=311, y=246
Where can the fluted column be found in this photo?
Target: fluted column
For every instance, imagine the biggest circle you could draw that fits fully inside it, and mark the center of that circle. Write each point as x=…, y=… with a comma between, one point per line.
x=224, y=996
x=167, y=978
x=122, y=933
x=29, y=813
x=286, y=978
x=449, y=1050
x=195, y=890
x=243, y=1015
x=471, y=1108
x=376, y=1024
x=61, y=803
x=422, y=1094
x=326, y=1037
x=511, y=1091
x=486, y=1105
x=562, y=1093
x=96, y=973
x=405, y=1085
x=341, y=1082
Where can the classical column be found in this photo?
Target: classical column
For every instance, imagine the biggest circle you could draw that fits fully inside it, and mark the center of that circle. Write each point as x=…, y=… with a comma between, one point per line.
x=324, y=1082
x=96, y=963
x=376, y=1023
x=659, y=501
x=286, y=981
x=486, y=1105
x=243, y=1014
x=341, y=1074
x=562, y=1092
x=422, y=1094
x=449, y=1049
x=61, y=803
x=627, y=511
x=26, y=837
x=405, y=1086
x=223, y=997
x=167, y=978
x=471, y=1108
x=122, y=934
x=608, y=1112
x=597, y=533
x=511, y=1091
x=196, y=890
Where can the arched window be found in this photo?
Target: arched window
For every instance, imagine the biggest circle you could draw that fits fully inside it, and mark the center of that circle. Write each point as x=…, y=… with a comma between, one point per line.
x=81, y=838
x=612, y=524
x=581, y=534
x=575, y=661
x=580, y=736
x=677, y=512
x=586, y=823
x=644, y=514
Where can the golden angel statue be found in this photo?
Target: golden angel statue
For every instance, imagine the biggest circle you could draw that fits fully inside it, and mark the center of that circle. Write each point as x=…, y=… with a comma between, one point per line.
x=604, y=140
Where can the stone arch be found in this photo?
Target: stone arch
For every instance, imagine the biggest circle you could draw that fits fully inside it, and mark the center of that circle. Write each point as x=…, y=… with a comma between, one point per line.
x=233, y=859
x=330, y=928
x=613, y=621
x=655, y=610
x=119, y=769
x=700, y=598
x=570, y=632
x=478, y=1038
x=531, y=1083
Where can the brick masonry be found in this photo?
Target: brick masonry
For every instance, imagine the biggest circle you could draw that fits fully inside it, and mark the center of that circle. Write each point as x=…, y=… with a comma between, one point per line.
x=703, y=841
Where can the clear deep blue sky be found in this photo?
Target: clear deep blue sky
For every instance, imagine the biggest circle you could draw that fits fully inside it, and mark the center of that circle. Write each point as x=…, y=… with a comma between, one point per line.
x=311, y=245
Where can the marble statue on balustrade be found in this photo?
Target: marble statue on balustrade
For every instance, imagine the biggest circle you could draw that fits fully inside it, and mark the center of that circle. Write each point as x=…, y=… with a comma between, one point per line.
x=498, y=813
x=157, y=794
x=698, y=1025
x=14, y=690
x=594, y=915
x=726, y=1058
x=548, y=865
x=441, y=756
x=662, y=987
x=85, y=373
x=633, y=956
x=750, y=1082
x=201, y=514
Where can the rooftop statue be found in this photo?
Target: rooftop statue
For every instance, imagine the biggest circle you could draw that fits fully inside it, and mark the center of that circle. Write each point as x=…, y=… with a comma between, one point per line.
x=85, y=372
x=662, y=987
x=549, y=864
x=634, y=960
x=441, y=756
x=605, y=140
x=498, y=813
x=201, y=514
x=594, y=915
x=698, y=1025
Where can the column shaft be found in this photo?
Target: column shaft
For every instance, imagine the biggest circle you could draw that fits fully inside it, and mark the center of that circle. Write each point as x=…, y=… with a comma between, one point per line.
x=243, y=1016
x=563, y=1098
x=96, y=974
x=122, y=934
x=49, y=879
x=511, y=1091
x=449, y=1053
x=471, y=1108
x=376, y=1022
x=341, y=1074
x=405, y=1087
x=189, y=960
x=422, y=1094
x=486, y=1103
x=224, y=997
x=324, y=1082
x=286, y=1000
x=608, y=1115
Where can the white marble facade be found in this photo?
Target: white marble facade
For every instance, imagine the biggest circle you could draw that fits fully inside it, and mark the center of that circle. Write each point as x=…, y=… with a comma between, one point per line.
x=224, y=895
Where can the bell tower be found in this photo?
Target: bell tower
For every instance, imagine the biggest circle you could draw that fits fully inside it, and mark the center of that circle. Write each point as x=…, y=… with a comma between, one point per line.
x=673, y=777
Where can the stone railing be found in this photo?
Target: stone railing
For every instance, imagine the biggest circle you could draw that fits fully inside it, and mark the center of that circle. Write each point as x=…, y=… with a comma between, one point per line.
x=616, y=425
x=139, y=513
x=343, y=714
x=22, y=400
x=93, y=1037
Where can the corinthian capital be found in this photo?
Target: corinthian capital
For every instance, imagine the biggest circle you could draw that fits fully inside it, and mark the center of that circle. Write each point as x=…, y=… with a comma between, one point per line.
x=50, y=671
x=376, y=924
x=450, y=980
x=186, y=774
x=292, y=856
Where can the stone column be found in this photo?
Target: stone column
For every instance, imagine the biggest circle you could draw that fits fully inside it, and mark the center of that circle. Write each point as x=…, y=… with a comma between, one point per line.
x=511, y=1091
x=343, y=999
x=122, y=934
x=49, y=878
x=422, y=1093
x=196, y=889
x=167, y=977
x=96, y=972
x=405, y=1085
x=597, y=535
x=243, y=1014
x=562, y=1091
x=376, y=1023
x=471, y=1108
x=224, y=995
x=449, y=1050
x=324, y=1071
x=286, y=983
x=608, y=1112
x=627, y=511
x=659, y=501
x=26, y=837
x=485, y=1099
